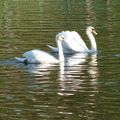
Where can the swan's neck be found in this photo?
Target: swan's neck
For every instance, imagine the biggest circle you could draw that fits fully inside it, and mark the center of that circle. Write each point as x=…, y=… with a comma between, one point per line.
x=61, y=55
x=92, y=41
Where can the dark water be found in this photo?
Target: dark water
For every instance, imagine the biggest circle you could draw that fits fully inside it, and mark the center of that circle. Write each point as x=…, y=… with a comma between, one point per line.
x=85, y=88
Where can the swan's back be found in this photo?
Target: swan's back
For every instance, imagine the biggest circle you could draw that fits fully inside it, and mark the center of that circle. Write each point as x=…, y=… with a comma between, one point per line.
x=78, y=38
x=39, y=56
x=73, y=41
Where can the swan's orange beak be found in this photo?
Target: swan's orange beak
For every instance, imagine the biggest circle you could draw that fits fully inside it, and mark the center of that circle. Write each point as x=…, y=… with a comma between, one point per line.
x=94, y=32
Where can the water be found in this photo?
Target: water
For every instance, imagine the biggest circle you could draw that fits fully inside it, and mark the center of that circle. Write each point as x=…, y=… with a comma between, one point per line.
x=85, y=87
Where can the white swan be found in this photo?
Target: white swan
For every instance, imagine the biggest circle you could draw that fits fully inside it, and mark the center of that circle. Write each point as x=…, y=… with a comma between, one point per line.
x=39, y=56
x=74, y=43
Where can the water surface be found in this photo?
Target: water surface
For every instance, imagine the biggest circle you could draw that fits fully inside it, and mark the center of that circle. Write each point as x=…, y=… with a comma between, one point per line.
x=86, y=87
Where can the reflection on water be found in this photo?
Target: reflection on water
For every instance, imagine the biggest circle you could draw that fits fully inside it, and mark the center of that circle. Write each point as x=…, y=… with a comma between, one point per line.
x=79, y=73
x=74, y=73
x=37, y=69
x=90, y=17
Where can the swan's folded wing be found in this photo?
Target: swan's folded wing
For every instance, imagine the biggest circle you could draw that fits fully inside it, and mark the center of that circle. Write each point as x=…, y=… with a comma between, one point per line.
x=73, y=41
x=79, y=40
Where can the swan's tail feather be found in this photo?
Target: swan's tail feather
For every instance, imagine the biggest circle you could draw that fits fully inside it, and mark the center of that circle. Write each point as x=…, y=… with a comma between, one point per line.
x=21, y=60
x=53, y=49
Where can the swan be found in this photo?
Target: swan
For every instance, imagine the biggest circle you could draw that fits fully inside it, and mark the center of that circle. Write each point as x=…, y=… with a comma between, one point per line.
x=74, y=43
x=39, y=56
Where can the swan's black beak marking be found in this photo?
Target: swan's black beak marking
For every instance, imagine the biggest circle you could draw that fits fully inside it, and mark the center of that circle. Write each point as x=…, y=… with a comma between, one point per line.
x=94, y=32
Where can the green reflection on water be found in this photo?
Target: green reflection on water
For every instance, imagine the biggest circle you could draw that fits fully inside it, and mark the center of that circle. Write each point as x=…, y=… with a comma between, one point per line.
x=31, y=24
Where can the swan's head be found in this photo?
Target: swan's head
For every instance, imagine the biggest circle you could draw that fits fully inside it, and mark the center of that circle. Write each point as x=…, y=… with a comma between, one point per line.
x=60, y=37
x=91, y=29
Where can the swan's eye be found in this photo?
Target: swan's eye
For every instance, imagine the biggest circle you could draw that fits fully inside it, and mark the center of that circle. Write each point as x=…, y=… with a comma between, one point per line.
x=93, y=29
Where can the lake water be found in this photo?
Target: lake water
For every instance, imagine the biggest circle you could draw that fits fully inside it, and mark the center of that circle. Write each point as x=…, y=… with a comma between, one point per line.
x=84, y=88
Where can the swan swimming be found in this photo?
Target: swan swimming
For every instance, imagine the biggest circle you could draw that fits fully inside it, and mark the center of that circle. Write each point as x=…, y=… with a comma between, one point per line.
x=74, y=43
x=39, y=56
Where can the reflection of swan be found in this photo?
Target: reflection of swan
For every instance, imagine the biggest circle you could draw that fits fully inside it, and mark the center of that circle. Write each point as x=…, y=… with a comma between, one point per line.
x=78, y=73
x=77, y=59
x=74, y=43
x=41, y=70
x=73, y=74
x=69, y=74
x=38, y=56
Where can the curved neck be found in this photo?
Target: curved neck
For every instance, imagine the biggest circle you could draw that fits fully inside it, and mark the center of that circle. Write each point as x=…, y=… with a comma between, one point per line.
x=61, y=55
x=92, y=41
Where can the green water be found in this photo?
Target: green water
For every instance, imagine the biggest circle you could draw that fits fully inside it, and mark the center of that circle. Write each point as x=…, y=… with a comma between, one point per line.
x=82, y=89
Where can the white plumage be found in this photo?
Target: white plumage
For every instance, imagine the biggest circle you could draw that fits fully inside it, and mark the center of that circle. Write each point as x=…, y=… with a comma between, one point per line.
x=39, y=56
x=74, y=43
